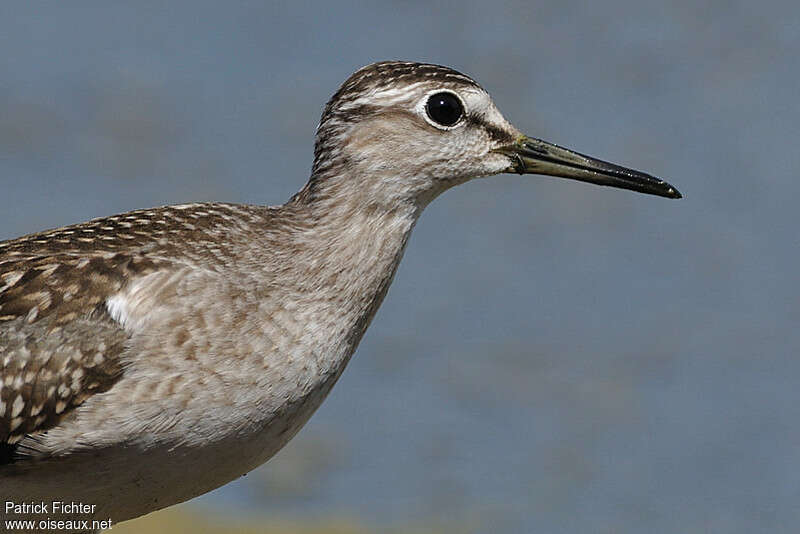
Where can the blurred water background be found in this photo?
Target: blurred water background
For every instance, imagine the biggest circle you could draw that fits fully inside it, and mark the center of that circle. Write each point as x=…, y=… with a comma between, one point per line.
x=552, y=357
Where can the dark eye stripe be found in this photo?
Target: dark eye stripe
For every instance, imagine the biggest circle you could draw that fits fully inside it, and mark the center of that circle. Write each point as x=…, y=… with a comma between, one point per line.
x=495, y=133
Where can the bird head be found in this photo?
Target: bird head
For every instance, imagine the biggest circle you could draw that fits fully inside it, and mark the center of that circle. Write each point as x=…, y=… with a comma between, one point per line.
x=410, y=131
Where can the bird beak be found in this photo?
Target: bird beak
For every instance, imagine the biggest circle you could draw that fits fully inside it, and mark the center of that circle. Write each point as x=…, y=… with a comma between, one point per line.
x=534, y=156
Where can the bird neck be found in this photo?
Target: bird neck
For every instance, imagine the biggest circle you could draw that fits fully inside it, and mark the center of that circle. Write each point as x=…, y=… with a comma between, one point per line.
x=349, y=247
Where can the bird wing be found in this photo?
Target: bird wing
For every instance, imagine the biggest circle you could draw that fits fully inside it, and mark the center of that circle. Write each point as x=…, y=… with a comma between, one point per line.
x=59, y=343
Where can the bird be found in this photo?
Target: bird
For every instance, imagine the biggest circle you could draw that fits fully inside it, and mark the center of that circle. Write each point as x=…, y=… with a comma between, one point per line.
x=152, y=356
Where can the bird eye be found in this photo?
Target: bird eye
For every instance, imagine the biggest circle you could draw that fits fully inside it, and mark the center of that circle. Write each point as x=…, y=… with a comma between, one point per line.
x=444, y=108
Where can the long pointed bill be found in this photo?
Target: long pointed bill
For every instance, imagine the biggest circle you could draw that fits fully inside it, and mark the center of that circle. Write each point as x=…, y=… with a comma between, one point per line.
x=534, y=156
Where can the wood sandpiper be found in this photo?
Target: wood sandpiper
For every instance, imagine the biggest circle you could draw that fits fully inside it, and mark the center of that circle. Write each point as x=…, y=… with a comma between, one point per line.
x=152, y=356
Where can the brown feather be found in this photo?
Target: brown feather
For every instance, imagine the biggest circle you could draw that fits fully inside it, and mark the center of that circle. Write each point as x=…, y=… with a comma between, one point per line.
x=53, y=290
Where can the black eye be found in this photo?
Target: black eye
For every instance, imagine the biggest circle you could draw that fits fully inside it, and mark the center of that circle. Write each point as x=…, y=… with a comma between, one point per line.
x=444, y=108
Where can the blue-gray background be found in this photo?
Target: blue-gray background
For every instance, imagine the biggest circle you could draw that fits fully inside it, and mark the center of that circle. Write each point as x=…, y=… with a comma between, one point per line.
x=553, y=356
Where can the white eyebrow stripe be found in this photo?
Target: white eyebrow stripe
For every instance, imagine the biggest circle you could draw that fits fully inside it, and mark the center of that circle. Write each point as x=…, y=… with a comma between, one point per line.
x=386, y=96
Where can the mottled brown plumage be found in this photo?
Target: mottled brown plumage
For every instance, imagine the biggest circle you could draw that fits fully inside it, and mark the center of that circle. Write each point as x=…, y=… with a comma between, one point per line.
x=55, y=285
